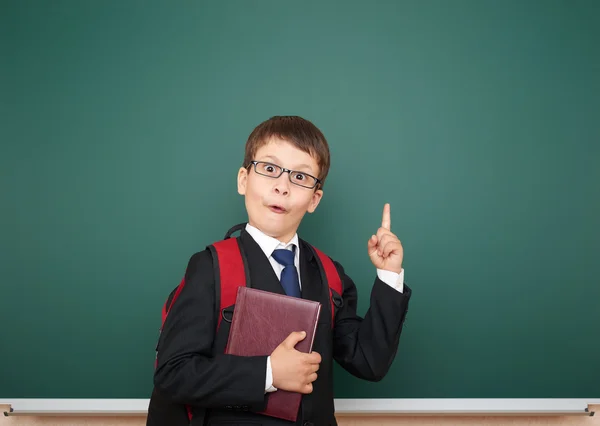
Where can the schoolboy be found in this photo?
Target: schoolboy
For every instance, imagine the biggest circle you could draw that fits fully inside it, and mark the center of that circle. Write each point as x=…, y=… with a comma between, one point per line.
x=282, y=178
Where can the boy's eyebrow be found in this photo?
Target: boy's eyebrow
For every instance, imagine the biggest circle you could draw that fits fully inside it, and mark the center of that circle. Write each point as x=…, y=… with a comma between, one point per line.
x=272, y=157
x=303, y=166
x=299, y=167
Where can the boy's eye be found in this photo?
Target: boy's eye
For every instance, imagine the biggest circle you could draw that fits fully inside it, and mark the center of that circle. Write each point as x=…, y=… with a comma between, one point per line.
x=269, y=168
x=299, y=176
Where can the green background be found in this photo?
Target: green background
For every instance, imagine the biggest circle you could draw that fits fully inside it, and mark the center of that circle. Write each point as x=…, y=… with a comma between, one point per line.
x=123, y=126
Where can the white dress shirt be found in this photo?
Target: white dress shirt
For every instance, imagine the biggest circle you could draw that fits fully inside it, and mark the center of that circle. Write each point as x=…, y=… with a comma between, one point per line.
x=270, y=244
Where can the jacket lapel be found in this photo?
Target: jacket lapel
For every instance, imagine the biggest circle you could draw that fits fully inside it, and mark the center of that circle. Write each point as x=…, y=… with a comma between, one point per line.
x=310, y=276
x=262, y=276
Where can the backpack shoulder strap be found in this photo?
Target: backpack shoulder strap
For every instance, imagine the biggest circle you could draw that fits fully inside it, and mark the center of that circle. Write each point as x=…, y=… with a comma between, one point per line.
x=334, y=281
x=229, y=271
x=170, y=301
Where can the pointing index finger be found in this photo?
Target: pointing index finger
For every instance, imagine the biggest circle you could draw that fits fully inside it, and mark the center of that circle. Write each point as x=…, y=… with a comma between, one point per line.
x=386, y=221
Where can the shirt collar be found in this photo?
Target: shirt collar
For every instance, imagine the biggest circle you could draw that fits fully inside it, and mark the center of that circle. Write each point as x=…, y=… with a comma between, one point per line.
x=269, y=244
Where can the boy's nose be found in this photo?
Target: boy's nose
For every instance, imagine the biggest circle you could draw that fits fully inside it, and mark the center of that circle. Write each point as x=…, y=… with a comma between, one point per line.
x=282, y=186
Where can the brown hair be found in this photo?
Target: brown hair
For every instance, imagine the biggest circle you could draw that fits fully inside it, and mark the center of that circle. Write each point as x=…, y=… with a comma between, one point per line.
x=298, y=131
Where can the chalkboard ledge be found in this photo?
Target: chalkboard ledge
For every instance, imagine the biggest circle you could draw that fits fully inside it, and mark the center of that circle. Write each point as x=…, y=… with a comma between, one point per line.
x=344, y=407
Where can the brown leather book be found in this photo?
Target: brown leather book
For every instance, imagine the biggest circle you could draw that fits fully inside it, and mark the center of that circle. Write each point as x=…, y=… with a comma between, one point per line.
x=261, y=321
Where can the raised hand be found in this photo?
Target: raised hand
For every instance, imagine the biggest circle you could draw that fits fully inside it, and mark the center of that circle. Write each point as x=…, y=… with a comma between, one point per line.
x=385, y=249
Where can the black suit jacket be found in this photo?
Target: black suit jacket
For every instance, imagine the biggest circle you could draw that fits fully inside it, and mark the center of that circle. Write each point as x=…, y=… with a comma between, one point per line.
x=192, y=369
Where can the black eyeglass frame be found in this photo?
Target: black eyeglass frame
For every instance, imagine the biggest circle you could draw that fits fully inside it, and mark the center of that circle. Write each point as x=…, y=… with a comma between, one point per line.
x=284, y=170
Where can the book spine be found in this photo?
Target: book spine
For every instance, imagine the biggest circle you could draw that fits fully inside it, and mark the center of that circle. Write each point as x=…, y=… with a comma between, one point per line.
x=314, y=332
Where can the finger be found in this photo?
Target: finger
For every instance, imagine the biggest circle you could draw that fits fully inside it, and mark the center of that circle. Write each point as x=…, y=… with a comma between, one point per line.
x=307, y=388
x=292, y=340
x=372, y=244
x=311, y=377
x=386, y=221
x=382, y=242
x=391, y=247
x=381, y=232
x=312, y=367
x=314, y=358
x=375, y=258
x=387, y=238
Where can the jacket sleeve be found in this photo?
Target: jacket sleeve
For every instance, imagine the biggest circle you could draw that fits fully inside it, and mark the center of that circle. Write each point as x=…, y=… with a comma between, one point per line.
x=366, y=347
x=187, y=369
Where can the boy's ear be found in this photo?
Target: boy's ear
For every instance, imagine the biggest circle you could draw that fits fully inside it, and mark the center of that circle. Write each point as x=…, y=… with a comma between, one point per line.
x=242, y=180
x=315, y=200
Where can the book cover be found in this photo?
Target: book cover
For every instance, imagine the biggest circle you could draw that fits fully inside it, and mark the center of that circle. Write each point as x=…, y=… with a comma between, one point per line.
x=261, y=321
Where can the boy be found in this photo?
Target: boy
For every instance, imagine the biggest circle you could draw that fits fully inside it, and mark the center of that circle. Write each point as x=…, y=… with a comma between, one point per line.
x=282, y=177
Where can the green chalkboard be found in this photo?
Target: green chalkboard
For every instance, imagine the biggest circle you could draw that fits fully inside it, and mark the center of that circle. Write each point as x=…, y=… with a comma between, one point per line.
x=123, y=126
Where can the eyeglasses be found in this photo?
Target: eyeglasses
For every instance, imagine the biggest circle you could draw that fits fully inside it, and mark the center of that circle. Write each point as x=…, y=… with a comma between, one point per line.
x=274, y=171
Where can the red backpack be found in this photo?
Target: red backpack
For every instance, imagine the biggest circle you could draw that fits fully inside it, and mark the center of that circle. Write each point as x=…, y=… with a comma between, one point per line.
x=230, y=262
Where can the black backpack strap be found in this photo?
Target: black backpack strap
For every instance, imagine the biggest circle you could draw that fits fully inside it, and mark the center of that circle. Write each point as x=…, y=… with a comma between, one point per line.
x=236, y=228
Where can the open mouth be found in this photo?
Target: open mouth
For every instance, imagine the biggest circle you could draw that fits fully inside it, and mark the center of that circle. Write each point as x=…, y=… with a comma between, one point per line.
x=277, y=209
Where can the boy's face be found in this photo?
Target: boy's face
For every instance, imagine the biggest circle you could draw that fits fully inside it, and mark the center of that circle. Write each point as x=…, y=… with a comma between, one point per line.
x=276, y=206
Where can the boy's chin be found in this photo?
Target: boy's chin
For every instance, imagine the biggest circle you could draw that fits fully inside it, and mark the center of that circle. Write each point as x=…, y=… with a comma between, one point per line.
x=276, y=227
